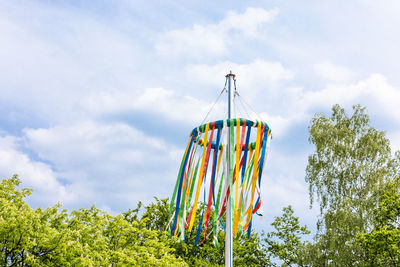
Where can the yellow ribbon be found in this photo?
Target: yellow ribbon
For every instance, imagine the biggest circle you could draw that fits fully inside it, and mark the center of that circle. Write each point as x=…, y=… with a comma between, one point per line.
x=199, y=182
x=255, y=174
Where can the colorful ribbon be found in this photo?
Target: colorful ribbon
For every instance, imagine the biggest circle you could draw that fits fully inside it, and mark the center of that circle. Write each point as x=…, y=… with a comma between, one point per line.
x=241, y=184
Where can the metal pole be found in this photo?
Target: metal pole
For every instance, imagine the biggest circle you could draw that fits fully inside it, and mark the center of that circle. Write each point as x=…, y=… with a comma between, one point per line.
x=228, y=224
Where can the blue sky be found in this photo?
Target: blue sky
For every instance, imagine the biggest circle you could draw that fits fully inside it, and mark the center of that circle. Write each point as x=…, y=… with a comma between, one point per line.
x=98, y=97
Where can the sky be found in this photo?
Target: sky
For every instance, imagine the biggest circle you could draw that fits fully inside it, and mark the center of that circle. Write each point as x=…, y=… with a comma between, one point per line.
x=98, y=98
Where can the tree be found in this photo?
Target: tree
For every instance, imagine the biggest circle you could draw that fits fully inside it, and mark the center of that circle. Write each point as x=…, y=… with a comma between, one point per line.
x=382, y=243
x=350, y=169
x=12, y=227
x=92, y=237
x=285, y=242
x=246, y=251
x=85, y=237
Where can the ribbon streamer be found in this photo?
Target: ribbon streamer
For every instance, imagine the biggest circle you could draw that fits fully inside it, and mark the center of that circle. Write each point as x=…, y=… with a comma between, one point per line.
x=241, y=184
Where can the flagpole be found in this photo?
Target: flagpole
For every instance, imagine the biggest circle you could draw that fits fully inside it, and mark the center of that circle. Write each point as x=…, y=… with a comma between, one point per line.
x=228, y=224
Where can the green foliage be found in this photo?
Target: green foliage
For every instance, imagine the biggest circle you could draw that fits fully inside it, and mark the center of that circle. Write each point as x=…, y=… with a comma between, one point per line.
x=285, y=242
x=351, y=167
x=248, y=252
x=91, y=237
x=156, y=214
x=352, y=159
x=382, y=243
x=86, y=237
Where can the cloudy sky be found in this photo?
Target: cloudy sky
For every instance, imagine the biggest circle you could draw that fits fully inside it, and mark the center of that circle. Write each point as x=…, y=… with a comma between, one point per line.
x=97, y=98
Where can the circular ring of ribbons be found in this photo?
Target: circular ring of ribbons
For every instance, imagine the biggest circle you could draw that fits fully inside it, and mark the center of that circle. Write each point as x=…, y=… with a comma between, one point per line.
x=203, y=172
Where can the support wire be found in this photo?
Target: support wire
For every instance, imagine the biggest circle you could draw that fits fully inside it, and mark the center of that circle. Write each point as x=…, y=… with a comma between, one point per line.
x=215, y=102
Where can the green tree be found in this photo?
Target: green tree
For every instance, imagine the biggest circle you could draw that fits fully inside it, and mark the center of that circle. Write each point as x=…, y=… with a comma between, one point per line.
x=382, y=243
x=350, y=169
x=26, y=235
x=85, y=237
x=285, y=242
x=246, y=251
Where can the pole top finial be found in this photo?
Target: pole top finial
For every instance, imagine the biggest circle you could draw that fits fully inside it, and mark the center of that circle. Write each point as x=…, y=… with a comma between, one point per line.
x=230, y=74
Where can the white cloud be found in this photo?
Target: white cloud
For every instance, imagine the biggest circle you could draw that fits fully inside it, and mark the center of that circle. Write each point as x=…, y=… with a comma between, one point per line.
x=111, y=164
x=295, y=105
x=281, y=191
x=278, y=124
x=334, y=73
x=252, y=78
x=394, y=137
x=249, y=22
x=166, y=103
x=64, y=61
x=373, y=92
x=34, y=174
x=213, y=39
x=258, y=82
x=89, y=143
x=192, y=42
